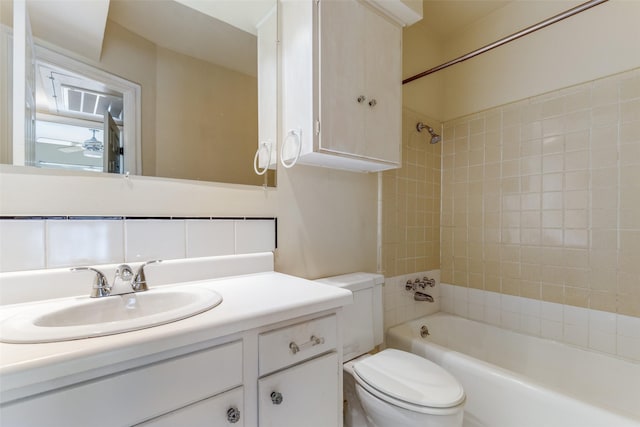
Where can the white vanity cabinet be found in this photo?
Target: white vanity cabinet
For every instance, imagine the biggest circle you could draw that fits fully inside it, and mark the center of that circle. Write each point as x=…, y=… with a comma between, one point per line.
x=300, y=373
x=303, y=395
x=342, y=85
x=272, y=333
x=284, y=374
x=133, y=395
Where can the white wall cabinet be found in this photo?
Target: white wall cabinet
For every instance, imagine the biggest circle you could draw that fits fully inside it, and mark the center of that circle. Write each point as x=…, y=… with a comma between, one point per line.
x=342, y=85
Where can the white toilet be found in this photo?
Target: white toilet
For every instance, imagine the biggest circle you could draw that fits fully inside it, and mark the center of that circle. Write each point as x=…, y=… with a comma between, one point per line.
x=391, y=388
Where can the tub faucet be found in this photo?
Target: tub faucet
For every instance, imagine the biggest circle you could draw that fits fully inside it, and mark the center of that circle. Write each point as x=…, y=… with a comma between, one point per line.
x=412, y=286
x=429, y=282
x=420, y=296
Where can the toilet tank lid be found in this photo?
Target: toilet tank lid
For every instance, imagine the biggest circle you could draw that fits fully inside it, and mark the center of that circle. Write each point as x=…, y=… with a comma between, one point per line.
x=354, y=281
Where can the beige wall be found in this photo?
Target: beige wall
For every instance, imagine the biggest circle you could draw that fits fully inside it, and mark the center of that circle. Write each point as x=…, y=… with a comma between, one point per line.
x=192, y=111
x=411, y=202
x=422, y=50
x=540, y=198
x=134, y=58
x=596, y=43
x=206, y=120
x=326, y=221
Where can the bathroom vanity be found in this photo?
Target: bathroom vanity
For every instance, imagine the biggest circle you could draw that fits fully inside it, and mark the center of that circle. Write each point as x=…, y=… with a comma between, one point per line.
x=268, y=355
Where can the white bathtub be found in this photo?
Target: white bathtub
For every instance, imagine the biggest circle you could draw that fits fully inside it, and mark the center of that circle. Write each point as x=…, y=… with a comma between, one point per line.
x=517, y=380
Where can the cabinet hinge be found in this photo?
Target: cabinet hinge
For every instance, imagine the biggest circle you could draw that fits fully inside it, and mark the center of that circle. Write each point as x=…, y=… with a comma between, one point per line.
x=316, y=126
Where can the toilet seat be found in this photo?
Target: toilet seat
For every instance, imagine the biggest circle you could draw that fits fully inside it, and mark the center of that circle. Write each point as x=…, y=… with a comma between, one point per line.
x=410, y=382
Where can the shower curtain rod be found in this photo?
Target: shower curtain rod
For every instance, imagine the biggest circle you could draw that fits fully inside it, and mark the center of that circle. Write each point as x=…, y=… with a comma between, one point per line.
x=559, y=17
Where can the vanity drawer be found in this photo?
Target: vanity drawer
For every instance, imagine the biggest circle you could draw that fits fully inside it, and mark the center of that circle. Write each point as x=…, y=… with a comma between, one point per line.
x=129, y=397
x=292, y=344
x=225, y=409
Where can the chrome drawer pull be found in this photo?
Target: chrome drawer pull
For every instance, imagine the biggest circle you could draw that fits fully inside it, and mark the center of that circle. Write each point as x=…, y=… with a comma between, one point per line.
x=312, y=341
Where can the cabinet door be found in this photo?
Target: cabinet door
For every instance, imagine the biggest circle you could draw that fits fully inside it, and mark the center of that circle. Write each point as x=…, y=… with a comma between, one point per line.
x=223, y=410
x=383, y=77
x=137, y=394
x=304, y=395
x=342, y=63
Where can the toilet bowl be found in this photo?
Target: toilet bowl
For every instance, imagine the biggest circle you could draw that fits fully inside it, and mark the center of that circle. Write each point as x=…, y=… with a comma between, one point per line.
x=392, y=388
x=396, y=388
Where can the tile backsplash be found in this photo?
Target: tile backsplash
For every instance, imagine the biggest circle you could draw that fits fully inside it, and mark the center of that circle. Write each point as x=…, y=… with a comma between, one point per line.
x=31, y=244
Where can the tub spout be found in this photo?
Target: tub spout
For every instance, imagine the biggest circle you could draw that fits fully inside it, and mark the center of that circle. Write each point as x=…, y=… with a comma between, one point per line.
x=421, y=296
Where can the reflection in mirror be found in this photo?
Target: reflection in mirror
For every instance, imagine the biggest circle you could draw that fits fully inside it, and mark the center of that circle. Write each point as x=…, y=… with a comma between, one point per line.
x=197, y=78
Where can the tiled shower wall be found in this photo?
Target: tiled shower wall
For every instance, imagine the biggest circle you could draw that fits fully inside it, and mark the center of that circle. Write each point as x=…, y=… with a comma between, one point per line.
x=541, y=198
x=411, y=203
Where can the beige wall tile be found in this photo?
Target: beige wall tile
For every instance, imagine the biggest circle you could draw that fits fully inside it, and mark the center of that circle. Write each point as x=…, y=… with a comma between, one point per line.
x=412, y=205
x=553, y=213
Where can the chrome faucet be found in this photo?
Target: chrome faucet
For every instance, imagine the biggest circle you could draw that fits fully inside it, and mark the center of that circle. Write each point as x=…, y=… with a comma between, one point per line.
x=139, y=282
x=101, y=287
x=421, y=296
x=124, y=282
x=413, y=286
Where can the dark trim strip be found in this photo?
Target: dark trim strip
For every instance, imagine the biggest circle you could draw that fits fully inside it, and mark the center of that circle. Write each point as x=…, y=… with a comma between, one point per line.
x=120, y=218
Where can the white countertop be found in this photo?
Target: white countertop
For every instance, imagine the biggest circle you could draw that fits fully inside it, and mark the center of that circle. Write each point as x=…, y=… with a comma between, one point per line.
x=249, y=301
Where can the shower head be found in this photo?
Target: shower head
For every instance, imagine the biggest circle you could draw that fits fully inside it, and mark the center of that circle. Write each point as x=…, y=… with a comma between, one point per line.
x=435, y=138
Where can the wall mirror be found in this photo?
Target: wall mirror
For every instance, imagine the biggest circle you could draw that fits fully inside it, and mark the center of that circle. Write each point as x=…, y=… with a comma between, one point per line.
x=201, y=78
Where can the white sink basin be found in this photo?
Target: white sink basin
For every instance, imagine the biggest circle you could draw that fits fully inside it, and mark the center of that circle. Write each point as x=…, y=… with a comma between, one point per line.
x=86, y=317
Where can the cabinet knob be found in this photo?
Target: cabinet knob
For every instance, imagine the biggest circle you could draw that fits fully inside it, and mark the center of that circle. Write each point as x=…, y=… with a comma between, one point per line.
x=361, y=99
x=276, y=397
x=233, y=415
x=372, y=103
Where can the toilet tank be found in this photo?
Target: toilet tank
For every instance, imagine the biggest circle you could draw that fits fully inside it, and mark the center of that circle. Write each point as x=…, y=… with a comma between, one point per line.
x=362, y=327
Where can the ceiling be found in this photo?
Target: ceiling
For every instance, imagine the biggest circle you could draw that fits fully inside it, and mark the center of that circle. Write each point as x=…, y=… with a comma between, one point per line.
x=57, y=22
x=446, y=17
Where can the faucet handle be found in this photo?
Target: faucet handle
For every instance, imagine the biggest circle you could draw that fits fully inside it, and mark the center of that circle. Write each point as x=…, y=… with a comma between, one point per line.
x=139, y=282
x=101, y=287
